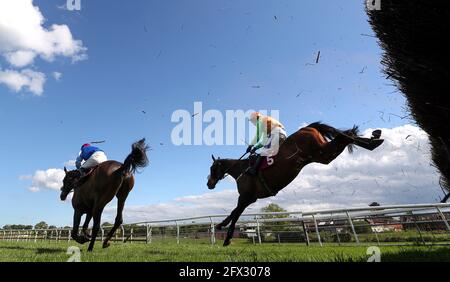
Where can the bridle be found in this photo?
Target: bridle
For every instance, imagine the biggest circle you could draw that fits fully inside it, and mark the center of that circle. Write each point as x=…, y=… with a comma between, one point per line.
x=232, y=166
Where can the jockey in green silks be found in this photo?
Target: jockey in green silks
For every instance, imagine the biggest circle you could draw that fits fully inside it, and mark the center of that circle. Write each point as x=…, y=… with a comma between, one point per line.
x=270, y=134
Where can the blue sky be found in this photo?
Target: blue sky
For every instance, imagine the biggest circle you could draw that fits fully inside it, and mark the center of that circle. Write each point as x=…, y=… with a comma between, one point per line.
x=161, y=56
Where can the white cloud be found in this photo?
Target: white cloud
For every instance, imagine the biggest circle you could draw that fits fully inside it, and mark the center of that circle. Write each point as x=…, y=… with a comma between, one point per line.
x=69, y=163
x=20, y=58
x=32, y=81
x=57, y=75
x=398, y=172
x=23, y=36
x=49, y=179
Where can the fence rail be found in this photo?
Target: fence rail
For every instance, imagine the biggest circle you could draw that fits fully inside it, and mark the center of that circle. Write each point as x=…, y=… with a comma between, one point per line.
x=397, y=224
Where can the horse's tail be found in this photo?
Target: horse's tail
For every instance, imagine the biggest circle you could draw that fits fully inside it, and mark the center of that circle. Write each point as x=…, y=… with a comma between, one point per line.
x=136, y=159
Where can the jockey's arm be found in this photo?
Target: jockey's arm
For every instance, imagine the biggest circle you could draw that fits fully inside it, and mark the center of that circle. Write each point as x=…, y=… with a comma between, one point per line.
x=262, y=142
x=78, y=161
x=260, y=139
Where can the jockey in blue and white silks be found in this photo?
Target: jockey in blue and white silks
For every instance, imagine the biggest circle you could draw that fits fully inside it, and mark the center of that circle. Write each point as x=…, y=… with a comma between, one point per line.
x=92, y=156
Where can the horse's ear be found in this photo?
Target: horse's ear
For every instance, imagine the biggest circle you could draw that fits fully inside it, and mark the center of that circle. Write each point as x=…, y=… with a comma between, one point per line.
x=65, y=170
x=214, y=159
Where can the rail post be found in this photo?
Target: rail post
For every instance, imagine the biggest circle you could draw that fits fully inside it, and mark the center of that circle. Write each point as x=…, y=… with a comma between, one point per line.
x=213, y=231
x=103, y=232
x=443, y=218
x=178, y=232
x=150, y=234
x=131, y=235
x=36, y=233
x=317, y=230
x=123, y=233
x=258, y=231
x=146, y=233
x=353, y=227
x=68, y=235
x=305, y=231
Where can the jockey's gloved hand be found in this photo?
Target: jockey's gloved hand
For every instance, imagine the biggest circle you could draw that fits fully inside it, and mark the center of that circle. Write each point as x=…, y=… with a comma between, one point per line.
x=249, y=149
x=253, y=150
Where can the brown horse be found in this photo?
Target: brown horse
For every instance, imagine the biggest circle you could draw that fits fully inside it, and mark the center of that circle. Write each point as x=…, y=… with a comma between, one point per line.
x=307, y=145
x=109, y=179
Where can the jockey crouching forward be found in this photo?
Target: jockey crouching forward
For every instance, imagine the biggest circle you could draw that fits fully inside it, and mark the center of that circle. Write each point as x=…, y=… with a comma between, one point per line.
x=270, y=134
x=92, y=156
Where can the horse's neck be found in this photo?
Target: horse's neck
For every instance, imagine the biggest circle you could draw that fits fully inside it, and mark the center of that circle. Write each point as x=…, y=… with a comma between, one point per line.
x=233, y=167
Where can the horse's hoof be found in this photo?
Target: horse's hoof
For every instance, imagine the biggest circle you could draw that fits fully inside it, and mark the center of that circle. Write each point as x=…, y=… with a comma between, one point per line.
x=90, y=250
x=106, y=245
x=82, y=240
x=226, y=243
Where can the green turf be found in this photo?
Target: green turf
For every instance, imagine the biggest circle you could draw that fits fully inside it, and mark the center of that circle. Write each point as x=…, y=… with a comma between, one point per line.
x=237, y=252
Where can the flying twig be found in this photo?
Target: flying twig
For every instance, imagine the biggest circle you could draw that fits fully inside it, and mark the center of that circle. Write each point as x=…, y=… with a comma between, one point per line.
x=368, y=35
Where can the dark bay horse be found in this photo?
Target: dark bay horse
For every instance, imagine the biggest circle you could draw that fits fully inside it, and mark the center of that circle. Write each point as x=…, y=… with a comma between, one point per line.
x=109, y=179
x=307, y=145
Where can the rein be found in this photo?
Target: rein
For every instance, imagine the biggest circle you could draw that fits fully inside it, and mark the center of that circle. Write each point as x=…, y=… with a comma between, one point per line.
x=226, y=172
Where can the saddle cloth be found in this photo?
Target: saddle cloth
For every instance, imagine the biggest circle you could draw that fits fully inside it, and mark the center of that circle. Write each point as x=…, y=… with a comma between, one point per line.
x=264, y=163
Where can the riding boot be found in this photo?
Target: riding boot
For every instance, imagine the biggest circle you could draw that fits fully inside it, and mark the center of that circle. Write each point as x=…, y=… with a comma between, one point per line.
x=82, y=172
x=253, y=170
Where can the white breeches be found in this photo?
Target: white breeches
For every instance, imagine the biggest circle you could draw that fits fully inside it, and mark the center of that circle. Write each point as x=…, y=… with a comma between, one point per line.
x=96, y=159
x=273, y=143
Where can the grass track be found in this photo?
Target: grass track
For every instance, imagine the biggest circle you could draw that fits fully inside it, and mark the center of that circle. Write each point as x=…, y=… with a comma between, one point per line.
x=237, y=252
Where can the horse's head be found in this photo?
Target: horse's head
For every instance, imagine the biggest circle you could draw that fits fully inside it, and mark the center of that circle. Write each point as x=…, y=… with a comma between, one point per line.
x=217, y=173
x=68, y=183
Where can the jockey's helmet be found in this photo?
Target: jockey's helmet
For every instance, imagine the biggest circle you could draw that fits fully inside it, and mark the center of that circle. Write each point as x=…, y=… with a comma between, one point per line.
x=254, y=116
x=85, y=145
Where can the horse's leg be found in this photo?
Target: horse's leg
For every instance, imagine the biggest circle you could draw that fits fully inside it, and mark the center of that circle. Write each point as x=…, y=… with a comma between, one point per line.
x=329, y=151
x=86, y=225
x=226, y=221
x=243, y=203
x=76, y=225
x=97, y=215
x=121, y=198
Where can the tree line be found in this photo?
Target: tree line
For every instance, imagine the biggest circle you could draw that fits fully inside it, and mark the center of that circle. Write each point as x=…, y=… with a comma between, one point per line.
x=39, y=225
